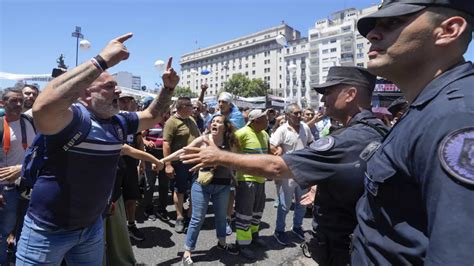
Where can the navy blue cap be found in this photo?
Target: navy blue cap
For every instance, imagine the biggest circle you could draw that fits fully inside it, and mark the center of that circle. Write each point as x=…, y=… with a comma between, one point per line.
x=394, y=8
x=348, y=75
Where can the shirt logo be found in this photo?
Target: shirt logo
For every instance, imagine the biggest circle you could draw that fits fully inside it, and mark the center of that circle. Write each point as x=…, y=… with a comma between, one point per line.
x=323, y=144
x=456, y=154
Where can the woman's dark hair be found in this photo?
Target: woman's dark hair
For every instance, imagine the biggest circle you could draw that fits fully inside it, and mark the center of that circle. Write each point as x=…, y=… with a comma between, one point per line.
x=229, y=133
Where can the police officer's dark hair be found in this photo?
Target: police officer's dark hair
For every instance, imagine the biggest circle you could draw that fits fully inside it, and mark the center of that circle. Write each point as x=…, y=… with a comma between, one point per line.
x=34, y=87
x=182, y=101
x=290, y=108
x=442, y=13
x=364, y=95
x=5, y=92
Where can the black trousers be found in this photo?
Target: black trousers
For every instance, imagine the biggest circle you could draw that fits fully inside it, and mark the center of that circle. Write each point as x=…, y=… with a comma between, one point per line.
x=326, y=251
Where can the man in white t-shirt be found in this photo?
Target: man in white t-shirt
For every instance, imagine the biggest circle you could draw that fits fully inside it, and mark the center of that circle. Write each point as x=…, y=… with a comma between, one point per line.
x=292, y=136
x=18, y=134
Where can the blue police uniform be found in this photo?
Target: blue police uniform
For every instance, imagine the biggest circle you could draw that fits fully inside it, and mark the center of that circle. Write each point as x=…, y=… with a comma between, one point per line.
x=334, y=163
x=418, y=207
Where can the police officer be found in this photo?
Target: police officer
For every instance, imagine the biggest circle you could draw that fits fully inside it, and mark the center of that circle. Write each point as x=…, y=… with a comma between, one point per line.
x=333, y=162
x=418, y=207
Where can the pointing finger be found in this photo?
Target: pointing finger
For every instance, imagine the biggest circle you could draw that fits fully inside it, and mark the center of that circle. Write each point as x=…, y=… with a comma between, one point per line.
x=170, y=62
x=124, y=37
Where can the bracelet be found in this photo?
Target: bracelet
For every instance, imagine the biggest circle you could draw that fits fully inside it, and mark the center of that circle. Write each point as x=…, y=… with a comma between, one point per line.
x=101, y=62
x=96, y=64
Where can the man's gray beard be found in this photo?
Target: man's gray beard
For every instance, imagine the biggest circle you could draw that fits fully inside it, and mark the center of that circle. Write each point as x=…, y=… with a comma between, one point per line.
x=103, y=109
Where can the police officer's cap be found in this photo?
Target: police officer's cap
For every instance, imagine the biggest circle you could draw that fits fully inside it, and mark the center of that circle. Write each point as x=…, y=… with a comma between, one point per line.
x=348, y=75
x=395, y=8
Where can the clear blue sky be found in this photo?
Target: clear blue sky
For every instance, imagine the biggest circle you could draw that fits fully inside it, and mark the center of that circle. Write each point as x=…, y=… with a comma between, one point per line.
x=33, y=33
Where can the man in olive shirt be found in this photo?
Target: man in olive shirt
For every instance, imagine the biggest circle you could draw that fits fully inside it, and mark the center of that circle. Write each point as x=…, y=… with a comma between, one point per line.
x=179, y=131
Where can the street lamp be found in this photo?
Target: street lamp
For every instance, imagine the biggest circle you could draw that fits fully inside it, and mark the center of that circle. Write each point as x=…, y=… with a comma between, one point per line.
x=292, y=69
x=193, y=74
x=160, y=65
x=84, y=44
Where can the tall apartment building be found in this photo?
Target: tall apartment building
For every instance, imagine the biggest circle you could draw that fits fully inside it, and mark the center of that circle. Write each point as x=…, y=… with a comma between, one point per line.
x=335, y=41
x=127, y=80
x=296, y=73
x=256, y=55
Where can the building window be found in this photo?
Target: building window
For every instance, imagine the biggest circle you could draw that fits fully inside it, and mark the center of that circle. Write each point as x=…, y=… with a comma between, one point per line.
x=253, y=72
x=333, y=50
x=325, y=51
x=253, y=64
x=360, y=45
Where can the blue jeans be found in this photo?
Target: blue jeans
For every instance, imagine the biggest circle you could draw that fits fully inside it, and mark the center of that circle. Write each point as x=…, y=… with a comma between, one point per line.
x=200, y=196
x=288, y=189
x=7, y=219
x=39, y=245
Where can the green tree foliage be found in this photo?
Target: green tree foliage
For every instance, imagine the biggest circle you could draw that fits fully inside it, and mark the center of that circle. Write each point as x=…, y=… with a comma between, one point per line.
x=240, y=85
x=184, y=92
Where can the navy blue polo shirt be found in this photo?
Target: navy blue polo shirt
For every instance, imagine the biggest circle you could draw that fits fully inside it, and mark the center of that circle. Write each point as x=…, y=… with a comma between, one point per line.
x=74, y=187
x=334, y=164
x=418, y=207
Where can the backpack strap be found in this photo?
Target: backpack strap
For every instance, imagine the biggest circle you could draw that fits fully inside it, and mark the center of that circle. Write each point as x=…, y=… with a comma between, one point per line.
x=30, y=120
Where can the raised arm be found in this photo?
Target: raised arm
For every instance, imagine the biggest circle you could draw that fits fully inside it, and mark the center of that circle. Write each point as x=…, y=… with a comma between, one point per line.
x=161, y=104
x=201, y=97
x=51, y=110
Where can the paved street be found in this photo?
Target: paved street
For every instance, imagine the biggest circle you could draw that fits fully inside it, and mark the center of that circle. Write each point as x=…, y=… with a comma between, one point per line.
x=163, y=246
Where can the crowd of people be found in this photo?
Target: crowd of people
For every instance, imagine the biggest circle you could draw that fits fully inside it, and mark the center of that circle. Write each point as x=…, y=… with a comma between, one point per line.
x=383, y=192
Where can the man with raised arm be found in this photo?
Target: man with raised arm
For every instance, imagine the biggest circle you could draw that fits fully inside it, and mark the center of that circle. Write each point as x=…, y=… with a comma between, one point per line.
x=64, y=219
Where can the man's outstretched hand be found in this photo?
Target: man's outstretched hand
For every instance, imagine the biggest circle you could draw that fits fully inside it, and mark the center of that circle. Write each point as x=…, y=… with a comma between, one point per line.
x=116, y=51
x=202, y=157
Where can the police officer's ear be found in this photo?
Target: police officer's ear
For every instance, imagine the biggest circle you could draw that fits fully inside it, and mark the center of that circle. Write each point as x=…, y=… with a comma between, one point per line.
x=351, y=93
x=449, y=31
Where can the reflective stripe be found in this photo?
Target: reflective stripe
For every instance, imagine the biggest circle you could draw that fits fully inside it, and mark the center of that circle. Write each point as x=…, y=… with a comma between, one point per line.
x=243, y=217
x=244, y=237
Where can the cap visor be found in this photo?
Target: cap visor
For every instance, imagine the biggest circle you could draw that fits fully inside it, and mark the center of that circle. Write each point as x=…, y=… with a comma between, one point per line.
x=367, y=23
x=321, y=88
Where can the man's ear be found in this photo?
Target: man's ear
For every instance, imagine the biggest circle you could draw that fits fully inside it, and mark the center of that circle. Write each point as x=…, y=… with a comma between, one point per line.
x=450, y=30
x=351, y=94
x=87, y=94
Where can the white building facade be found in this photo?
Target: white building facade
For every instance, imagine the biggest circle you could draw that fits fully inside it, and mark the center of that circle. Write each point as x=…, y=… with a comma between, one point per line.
x=127, y=80
x=335, y=41
x=257, y=56
x=296, y=73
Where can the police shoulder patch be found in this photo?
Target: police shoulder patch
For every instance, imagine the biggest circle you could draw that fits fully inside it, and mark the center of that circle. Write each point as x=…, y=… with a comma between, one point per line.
x=323, y=144
x=456, y=154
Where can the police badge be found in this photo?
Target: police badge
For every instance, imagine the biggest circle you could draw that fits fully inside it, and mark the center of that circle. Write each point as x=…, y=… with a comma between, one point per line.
x=456, y=154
